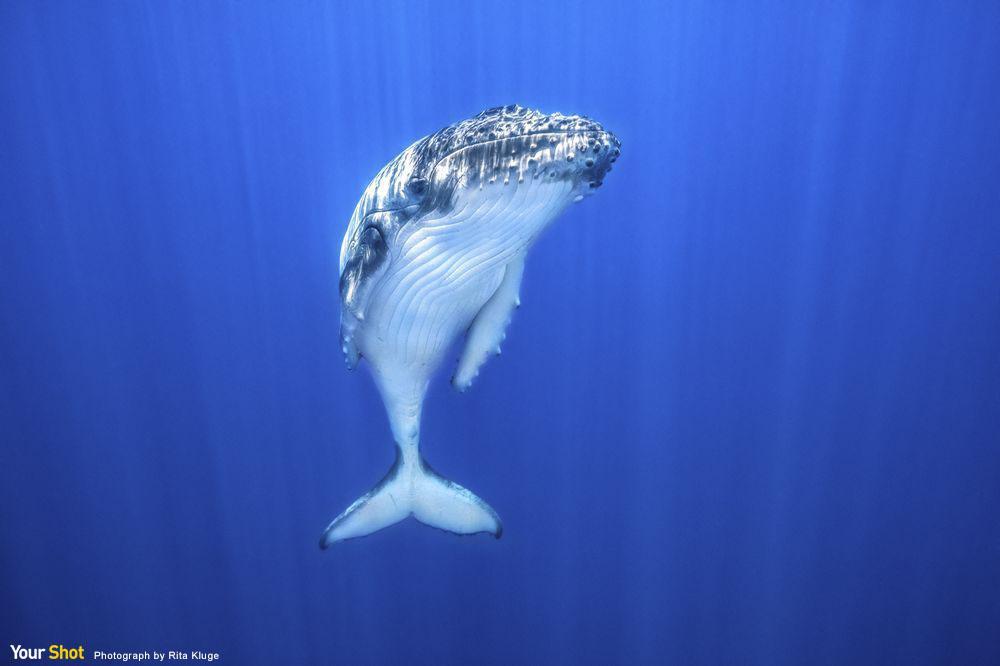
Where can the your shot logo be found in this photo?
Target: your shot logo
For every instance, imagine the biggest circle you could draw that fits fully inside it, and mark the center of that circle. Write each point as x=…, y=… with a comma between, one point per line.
x=52, y=652
x=56, y=652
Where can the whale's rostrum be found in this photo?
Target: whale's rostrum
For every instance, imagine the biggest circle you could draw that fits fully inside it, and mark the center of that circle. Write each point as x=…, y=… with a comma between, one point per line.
x=435, y=248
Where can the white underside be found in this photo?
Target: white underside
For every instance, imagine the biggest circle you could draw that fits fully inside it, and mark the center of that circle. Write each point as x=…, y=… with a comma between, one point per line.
x=444, y=271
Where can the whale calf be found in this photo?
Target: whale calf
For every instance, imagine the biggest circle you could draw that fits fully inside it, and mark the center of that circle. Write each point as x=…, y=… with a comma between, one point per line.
x=436, y=248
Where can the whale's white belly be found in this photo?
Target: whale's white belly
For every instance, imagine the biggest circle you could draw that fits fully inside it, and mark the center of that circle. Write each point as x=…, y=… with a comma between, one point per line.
x=444, y=271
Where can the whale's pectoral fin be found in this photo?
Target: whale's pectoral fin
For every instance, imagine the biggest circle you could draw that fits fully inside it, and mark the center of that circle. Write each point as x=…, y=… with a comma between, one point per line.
x=365, y=260
x=489, y=327
x=348, y=325
x=420, y=492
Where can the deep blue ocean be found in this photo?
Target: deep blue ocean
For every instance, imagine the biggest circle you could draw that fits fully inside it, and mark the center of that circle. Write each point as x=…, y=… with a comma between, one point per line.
x=749, y=411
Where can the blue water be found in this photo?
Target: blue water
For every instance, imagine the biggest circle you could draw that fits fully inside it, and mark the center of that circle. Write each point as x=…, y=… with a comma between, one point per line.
x=747, y=414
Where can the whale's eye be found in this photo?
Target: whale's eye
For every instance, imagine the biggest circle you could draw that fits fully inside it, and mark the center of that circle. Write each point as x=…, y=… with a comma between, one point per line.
x=417, y=186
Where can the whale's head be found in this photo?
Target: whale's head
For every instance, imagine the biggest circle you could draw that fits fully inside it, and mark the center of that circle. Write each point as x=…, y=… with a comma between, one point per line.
x=512, y=147
x=506, y=166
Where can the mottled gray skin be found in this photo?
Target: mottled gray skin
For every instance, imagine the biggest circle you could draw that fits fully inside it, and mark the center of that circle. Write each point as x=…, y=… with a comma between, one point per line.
x=494, y=148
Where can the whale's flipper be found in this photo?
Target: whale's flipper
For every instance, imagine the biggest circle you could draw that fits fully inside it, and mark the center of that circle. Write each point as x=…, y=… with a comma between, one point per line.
x=414, y=489
x=489, y=327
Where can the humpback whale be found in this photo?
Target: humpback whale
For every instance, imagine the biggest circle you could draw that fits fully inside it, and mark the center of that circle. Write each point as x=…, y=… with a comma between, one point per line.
x=435, y=248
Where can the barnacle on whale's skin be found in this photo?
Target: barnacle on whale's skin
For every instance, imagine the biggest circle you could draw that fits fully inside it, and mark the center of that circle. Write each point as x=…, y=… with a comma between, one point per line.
x=436, y=248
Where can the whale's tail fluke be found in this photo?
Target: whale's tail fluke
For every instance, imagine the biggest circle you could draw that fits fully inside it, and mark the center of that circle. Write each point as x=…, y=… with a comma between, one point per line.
x=412, y=488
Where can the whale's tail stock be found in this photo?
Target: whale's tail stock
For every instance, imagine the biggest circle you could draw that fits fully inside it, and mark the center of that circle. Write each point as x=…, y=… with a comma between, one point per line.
x=412, y=488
